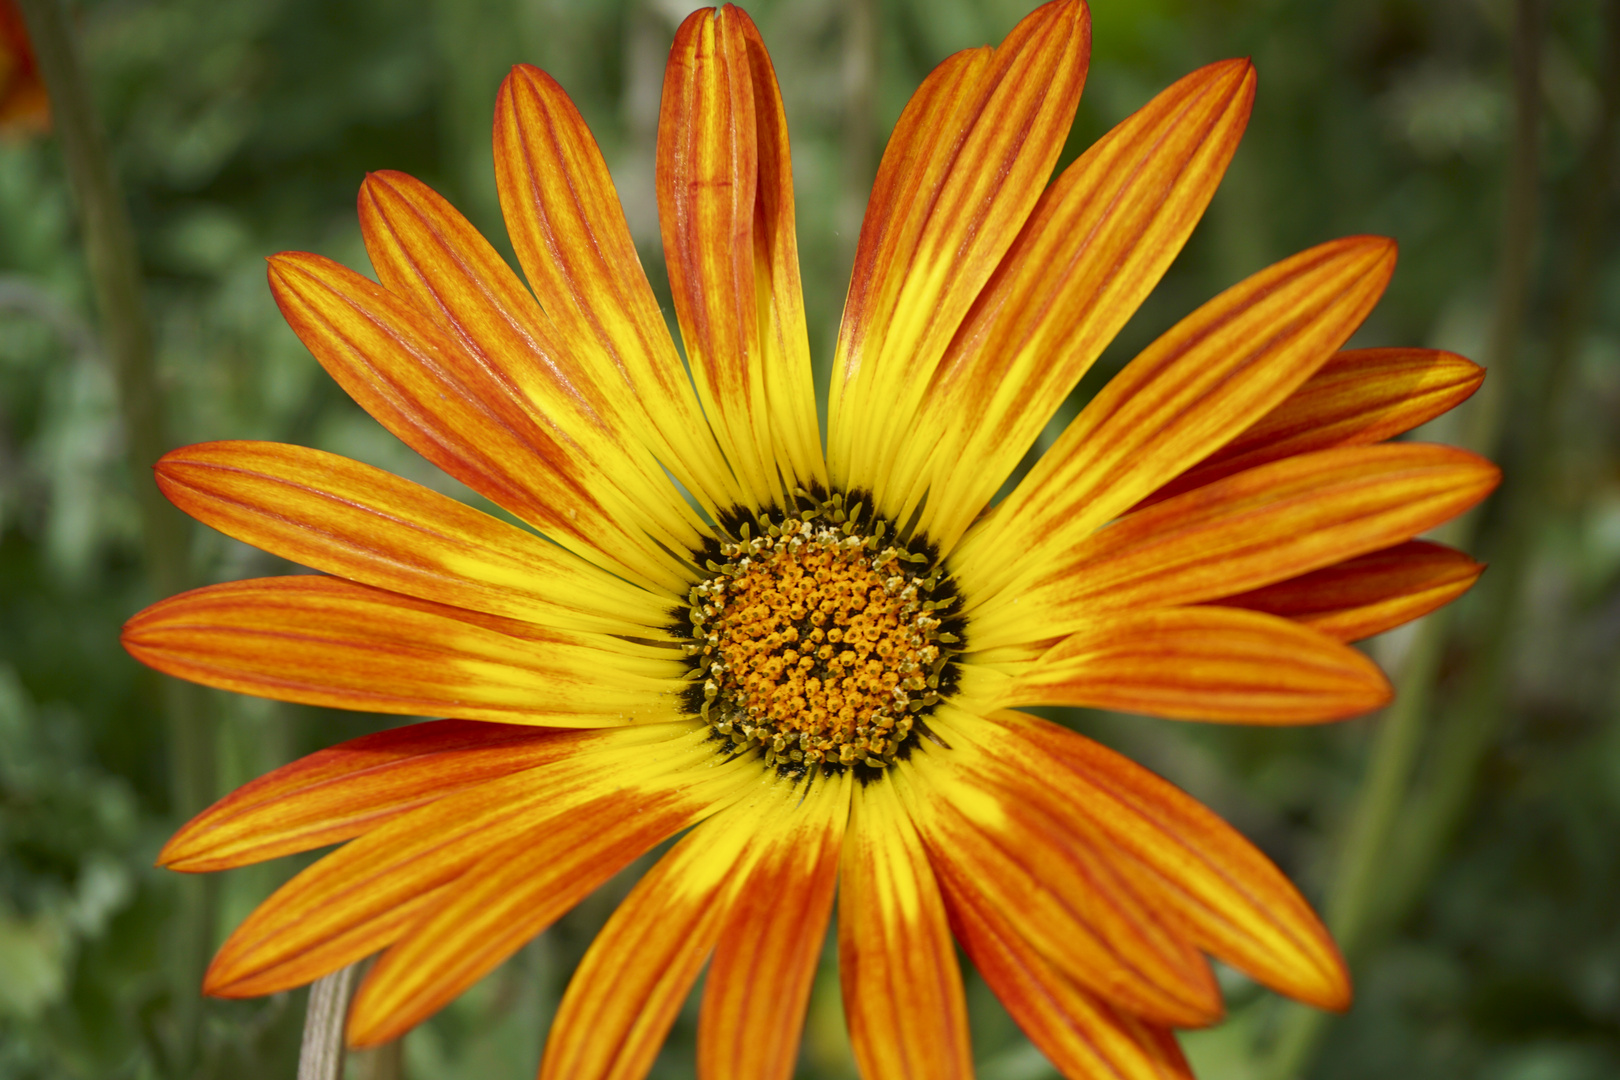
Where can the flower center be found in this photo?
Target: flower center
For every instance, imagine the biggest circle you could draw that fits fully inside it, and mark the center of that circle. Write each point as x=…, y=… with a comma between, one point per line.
x=819, y=642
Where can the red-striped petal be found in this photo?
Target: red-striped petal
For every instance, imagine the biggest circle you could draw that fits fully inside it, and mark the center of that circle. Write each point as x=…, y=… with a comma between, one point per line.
x=324, y=641
x=1187, y=394
x=361, y=523
x=349, y=789
x=964, y=167
x=1098, y=241
x=902, y=986
x=1273, y=522
x=570, y=235
x=1357, y=397
x=1361, y=597
x=725, y=205
x=1205, y=663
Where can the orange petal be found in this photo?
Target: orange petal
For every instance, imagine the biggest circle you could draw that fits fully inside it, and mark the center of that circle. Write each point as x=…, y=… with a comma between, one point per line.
x=1357, y=397
x=634, y=979
x=345, y=518
x=323, y=641
x=578, y=812
x=421, y=384
x=1205, y=663
x=1233, y=900
x=902, y=987
x=570, y=235
x=1098, y=241
x=963, y=169
x=1249, y=530
x=1081, y=1034
x=424, y=250
x=725, y=206
x=342, y=792
x=1048, y=880
x=1361, y=597
x=1187, y=394
x=765, y=960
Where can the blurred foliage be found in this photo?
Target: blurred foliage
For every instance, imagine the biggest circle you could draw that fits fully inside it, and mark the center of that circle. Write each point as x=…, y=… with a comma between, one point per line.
x=243, y=127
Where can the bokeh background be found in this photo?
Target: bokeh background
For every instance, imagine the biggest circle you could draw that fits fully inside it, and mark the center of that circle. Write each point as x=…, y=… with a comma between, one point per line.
x=1468, y=845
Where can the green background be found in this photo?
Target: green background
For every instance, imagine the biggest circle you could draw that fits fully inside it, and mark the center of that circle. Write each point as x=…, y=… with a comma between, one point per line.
x=243, y=127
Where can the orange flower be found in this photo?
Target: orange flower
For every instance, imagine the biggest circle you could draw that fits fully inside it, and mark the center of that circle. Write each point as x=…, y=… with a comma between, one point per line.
x=24, y=107
x=805, y=660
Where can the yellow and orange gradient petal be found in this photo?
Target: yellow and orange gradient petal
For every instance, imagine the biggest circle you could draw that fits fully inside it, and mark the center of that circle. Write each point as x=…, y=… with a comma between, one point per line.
x=1257, y=520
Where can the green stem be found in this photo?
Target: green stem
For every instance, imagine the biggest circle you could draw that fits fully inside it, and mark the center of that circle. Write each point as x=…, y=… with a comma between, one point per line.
x=115, y=277
x=1359, y=882
x=1469, y=734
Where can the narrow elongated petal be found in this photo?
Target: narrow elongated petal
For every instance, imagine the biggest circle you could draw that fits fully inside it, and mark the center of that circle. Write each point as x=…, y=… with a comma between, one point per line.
x=516, y=891
x=725, y=205
x=765, y=959
x=1233, y=900
x=902, y=986
x=349, y=789
x=1249, y=530
x=574, y=817
x=1050, y=882
x=1186, y=395
x=1361, y=597
x=1205, y=663
x=635, y=977
x=570, y=235
x=358, y=522
x=1357, y=397
x=1078, y=1032
x=963, y=169
x=421, y=384
x=1098, y=241
x=423, y=249
x=323, y=641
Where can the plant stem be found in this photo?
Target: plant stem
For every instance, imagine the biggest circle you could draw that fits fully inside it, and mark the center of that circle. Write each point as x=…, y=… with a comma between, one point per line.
x=1467, y=736
x=115, y=277
x=1356, y=902
x=321, y=1056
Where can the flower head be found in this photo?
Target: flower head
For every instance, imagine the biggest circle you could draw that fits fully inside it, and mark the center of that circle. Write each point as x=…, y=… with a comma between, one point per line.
x=808, y=661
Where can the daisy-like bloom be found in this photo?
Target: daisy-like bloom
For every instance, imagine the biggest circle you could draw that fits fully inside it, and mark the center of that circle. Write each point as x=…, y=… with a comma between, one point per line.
x=24, y=106
x=806, y=661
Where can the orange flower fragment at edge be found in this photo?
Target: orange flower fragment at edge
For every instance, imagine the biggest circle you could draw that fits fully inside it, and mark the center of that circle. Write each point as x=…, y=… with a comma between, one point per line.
x=24, y=106
x=808, y=661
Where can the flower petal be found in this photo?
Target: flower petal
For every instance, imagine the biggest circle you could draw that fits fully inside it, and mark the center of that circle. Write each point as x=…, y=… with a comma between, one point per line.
x=516, y=892
x=1233, y=900
x=339, y=516
x=1205, y=663
x=765, y=960
x=1049, y=880
x=902, y=986
x=421, y=384
x=1078, y=1032
x=349, y=789
x=1249, y=530
x=424, y=250
x=1098, y=241
x=570, y=823
x=324, y=641
x=725, y=205
x=1361, y=597
x=626, y=992
x=1186, y=395
x=1357, y=397
x=963, y=169
x=570, y=235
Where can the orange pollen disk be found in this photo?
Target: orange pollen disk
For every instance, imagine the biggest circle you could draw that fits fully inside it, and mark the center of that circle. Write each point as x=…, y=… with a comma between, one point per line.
x=817, y=647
